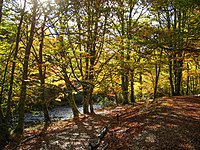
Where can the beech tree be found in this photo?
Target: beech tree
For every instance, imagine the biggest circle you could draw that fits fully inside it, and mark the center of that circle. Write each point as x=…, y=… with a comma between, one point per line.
x=128, y=14
x=174, y=18
x=5, y=117
x=20, y=126
x=90, y=21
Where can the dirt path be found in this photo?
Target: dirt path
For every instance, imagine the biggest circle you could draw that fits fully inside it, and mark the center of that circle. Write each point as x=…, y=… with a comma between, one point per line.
x=168, y=124
x=171, y=124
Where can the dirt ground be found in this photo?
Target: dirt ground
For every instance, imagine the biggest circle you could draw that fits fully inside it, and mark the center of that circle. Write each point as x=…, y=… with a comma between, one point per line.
x=165, y=124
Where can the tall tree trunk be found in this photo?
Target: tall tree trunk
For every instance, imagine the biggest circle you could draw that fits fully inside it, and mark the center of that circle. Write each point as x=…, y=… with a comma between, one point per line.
x=1, y=6
x=20, y=126
x=188, y=80
x=73, y=104
x=132, y=87
x=157, y=68
x=156, y=81
x=85, y=99
x=91, y=74
x=85, y=86
x=129, y=37
x=1, y=94
x=141, y=84
x=171, y=75
x=91, y=100
x=14, y=63
x=125, y=88
x=178, y=76
x=4, y=129
x=70, y=96
x=3, y=85
x=42, y=75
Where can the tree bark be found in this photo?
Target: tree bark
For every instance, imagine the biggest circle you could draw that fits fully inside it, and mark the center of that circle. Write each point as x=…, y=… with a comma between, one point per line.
x=1, y=6
x=72, y=103
x=158, y=69
x=178, y=76
x=42, y=75
x=171, y=75
x=14, y=63
x=132, y=87
x=141, y=84
x=4, y=129
x=85, y=100
x=20, y=126
x=156, y=81
x=69, y=92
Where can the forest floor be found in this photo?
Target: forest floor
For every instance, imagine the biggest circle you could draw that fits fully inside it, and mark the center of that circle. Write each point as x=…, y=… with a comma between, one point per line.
x=165, y=124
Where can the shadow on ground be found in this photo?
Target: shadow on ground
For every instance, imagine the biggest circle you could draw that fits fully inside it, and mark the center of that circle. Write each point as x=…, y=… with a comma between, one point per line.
x=167, y=124
x=173, y=124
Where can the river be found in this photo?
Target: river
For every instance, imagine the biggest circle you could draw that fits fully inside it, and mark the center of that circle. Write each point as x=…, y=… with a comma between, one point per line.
x=57, y=113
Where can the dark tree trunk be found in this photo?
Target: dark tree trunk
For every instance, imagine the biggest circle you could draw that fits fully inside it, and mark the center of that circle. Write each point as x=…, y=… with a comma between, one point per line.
x=2, y=87
x=14, y=63
x=1, y=6
x=171, y=75
x=4, y=129
x=156, y=81
x=91, y=100
x=72, y=103
x=178, y=76
x=42, y=76
x=141, y=84
x=157, y=68
x=125, y=89
x=85, y=87
x=188, y=80
x=85, y=100
x=132, y=87
x=69, y=92
x=20, y=126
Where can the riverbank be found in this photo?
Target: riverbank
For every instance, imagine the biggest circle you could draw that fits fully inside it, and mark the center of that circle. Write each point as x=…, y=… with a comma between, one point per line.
x=169, y=123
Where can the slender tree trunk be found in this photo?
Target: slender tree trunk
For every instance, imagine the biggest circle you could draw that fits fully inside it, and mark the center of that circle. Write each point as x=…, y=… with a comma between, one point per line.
x=91, y=75
x=42, y=75
x=171, y=75
x=85, y=85
x=132, y=87
x=141, y=84
x=20, y=126
x=125, y=89
x=4, y=129
x=14, y=63
x=156, y=81
x=42, y=93
x=2, y=86
x=1, y=6
x=188, y=79
x=157, y=68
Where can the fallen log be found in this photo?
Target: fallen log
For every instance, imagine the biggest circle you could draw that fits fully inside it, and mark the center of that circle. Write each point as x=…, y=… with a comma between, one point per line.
x=96, y=143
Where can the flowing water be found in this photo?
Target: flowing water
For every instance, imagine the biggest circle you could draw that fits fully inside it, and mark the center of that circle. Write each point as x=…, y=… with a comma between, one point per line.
x=57, y=113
